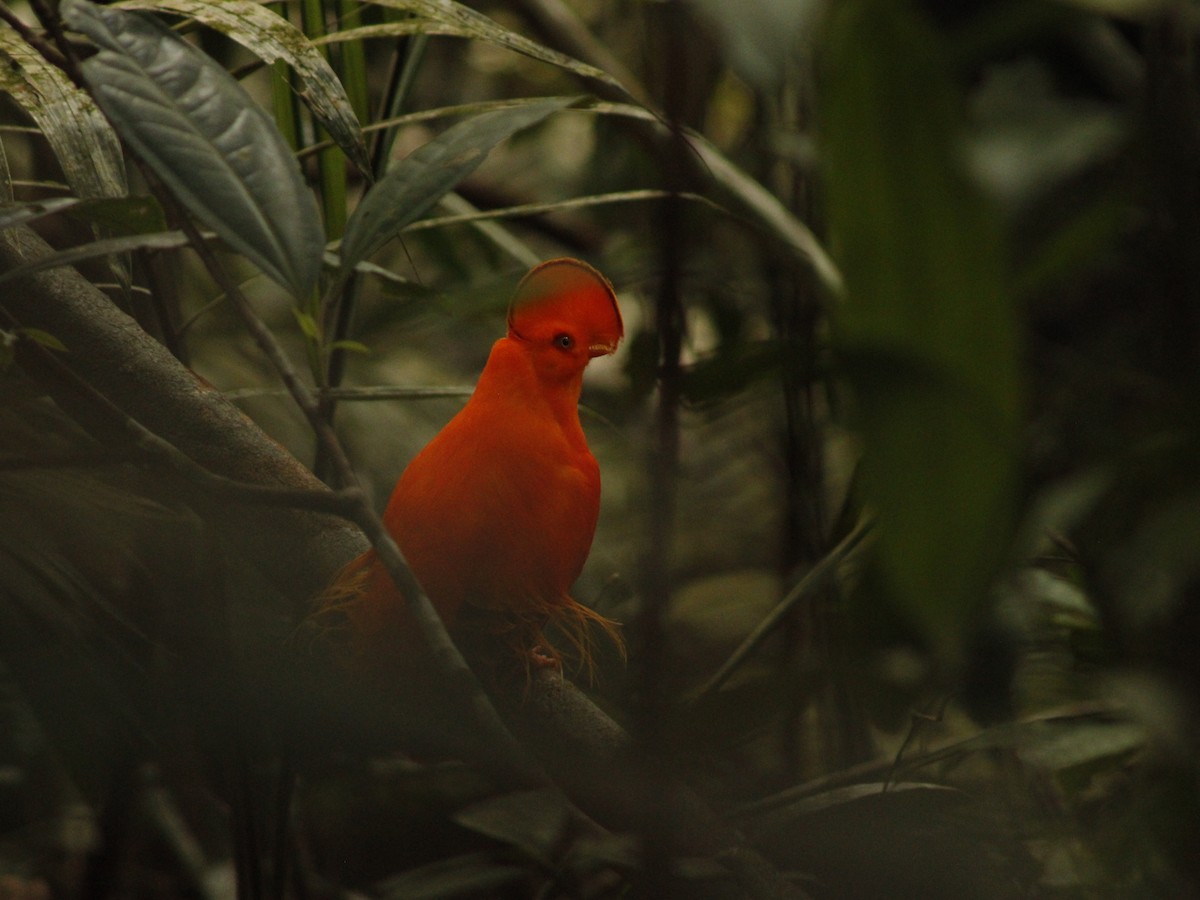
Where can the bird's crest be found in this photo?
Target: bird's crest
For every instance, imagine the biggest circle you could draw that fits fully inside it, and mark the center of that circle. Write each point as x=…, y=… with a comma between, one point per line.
x=568, y=290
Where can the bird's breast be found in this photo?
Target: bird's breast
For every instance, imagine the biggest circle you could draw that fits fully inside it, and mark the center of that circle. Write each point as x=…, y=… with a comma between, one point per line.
x=497, y=511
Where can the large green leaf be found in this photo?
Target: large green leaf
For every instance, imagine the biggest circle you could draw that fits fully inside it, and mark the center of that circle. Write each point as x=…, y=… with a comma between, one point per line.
x=84, y=144
x=418, y=181
x=271, y=38
x=208, y=141
x=927, y=332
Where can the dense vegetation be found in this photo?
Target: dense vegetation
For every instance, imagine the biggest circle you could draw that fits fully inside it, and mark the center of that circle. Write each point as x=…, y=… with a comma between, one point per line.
x=901, y=510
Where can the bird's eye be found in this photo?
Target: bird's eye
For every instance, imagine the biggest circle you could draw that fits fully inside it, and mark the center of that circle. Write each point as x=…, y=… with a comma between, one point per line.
x=565, y=341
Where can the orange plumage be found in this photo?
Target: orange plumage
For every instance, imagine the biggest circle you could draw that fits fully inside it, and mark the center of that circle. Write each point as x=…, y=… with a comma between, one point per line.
x=496, y=515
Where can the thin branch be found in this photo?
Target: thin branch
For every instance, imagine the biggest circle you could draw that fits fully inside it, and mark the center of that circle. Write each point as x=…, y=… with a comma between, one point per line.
x=378, y=392
x=813, y=581
x=918, y=722
x=887, y=769
x=655, y=877
x=533, y=209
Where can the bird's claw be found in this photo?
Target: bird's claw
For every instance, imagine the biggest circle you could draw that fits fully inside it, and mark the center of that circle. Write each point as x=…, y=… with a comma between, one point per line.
x=541, y=658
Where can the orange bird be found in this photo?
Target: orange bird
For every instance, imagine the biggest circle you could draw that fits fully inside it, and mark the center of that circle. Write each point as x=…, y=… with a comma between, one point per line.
x=496, y=515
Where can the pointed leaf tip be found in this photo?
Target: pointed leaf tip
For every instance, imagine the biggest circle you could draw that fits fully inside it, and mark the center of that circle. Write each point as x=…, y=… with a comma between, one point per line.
x=412, y=186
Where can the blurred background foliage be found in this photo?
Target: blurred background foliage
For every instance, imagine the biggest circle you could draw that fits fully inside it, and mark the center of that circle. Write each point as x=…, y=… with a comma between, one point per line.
x=937, y=406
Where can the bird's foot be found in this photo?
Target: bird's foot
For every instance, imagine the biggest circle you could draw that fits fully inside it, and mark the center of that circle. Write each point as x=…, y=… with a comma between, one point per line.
x=541, y=658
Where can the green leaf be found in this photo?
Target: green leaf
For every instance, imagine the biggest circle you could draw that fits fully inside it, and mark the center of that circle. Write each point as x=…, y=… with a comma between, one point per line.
x=45, y=338
x=749, y=198
x=532, y=821
x=271, y=38
x=122, y=215
x=418, y=181
x=1082, y=238
x=308, y=325
x=927, y=332
x=83, y=142
x=469, y=875
x=168, y=240
x=351, y=346
x=1069, y=744
x=203, y=135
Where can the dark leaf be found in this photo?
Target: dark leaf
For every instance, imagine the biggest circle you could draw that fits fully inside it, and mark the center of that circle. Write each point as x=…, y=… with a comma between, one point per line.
x=45, y=338
x=448, y=17
x=168, y=240
x=927, y=331
x=473, y=875
x=122, y=215
x=84, y=144
x=908, y=840
x=418, y=181
x=533, y=821
x=271, y=38
x=209, y=142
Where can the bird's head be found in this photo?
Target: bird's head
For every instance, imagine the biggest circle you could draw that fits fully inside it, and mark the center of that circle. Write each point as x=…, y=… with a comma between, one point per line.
x=567, y=313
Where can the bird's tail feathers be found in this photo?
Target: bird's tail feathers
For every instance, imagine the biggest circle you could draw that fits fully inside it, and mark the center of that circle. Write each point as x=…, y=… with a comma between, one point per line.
x=361, y=610
x=333, y=605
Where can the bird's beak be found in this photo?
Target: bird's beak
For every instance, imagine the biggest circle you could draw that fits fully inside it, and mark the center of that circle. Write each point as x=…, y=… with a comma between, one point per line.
x=603, y=348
